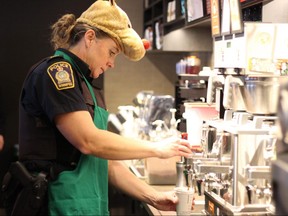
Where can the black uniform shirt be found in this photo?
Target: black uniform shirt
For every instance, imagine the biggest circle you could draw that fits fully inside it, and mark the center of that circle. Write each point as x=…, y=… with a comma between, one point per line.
x=51, y=88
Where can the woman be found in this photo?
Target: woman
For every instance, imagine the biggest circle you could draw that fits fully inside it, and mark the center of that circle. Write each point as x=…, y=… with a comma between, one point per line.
x=63, y=119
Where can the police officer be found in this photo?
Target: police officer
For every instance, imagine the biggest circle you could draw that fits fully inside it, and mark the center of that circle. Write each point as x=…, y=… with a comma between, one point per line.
x=63, y=119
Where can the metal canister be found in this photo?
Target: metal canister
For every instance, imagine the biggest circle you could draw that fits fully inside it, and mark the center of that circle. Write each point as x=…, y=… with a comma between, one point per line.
x=208, y=138
x=226, y=149
x=226, y=143
x=211, y=137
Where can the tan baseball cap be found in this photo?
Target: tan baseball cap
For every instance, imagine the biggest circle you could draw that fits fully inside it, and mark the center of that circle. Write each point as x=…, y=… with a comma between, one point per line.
x=110, y=18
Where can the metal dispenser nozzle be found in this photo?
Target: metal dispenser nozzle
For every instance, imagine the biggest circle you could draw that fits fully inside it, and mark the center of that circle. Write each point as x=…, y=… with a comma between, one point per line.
x=188, y=172
x=188, y=176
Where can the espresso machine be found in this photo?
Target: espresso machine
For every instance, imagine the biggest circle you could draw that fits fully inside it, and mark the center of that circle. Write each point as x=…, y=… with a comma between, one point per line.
x=240, y=147
x=245, y=148
x=250, y=100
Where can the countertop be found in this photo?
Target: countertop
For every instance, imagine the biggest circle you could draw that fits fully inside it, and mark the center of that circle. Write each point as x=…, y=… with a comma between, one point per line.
x=198, y=208
x=199, y=200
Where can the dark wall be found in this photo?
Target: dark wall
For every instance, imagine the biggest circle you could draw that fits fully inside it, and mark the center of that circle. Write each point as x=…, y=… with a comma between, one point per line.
x=24, y=40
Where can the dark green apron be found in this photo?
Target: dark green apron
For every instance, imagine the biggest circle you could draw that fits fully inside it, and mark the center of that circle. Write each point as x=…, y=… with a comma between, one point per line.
x=83, y=191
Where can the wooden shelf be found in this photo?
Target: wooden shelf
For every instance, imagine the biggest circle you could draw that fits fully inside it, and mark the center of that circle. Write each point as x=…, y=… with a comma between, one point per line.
x=192, y=77
x=201, y=22
x=157, y=12
x=249, y=3
x=174, y=24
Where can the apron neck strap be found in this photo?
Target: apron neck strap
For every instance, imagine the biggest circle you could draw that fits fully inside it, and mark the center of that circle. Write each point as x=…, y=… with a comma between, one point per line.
x=69, y=59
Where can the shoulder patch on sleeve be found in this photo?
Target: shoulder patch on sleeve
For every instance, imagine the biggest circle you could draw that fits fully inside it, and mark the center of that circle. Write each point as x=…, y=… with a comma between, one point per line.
x=61, y=74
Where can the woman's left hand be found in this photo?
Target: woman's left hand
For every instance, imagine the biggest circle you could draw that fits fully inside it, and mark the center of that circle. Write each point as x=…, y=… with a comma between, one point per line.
x=166, y=201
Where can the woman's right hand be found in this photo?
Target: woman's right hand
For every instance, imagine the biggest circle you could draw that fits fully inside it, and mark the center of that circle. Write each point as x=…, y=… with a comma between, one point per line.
x=171, y=147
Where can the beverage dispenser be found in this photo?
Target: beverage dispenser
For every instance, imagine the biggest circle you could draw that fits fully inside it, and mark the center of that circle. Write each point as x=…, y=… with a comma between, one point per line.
x=242, y=185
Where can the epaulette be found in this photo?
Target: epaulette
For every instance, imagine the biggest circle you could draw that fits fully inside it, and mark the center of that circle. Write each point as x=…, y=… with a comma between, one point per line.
x=54, y=57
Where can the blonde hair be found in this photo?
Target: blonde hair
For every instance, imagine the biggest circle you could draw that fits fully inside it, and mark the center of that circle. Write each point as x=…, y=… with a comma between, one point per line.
x=66, y=32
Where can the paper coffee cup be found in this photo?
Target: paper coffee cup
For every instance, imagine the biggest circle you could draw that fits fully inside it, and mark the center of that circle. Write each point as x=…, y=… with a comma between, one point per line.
x=185, y=200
